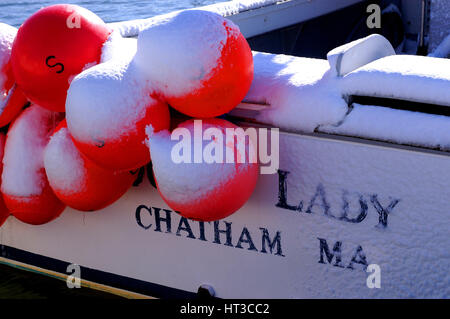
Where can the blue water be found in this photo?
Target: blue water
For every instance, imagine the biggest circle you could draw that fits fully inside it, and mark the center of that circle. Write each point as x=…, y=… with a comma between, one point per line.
x=15, y=12
x=16, y=283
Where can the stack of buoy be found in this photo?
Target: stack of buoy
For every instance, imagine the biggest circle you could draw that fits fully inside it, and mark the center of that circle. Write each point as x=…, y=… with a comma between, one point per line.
x=94, y=116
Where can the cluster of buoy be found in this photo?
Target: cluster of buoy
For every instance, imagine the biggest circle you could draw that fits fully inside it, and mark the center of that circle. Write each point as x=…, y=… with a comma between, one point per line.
x=84, y=108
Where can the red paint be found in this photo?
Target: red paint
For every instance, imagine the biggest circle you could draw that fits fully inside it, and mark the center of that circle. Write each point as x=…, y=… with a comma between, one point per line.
x=226, y=85
x=128, y=151
x=49, y=41
x=224, y=199
x=35, y=210
x=99, y=187
x=43, y=207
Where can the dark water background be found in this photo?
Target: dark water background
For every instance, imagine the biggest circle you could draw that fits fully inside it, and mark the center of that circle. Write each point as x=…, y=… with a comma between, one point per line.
x=16, y=283
x=15, y=12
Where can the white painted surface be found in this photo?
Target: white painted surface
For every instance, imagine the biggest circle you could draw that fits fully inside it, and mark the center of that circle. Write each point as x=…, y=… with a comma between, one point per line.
x=412, y=251
x=253, y=17
x=406, y=77
x=303, y=95
x=395, y=126
x=302, y=92
x=350, y=56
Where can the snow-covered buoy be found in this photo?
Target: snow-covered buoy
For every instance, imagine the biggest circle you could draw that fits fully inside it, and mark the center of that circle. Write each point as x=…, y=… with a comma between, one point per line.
x=77, y=181
x=12, y=100
x=199, y=61
x=26, y=191
x=107, y=109
x=51, y=47
x=4, y=212
x=203, y=186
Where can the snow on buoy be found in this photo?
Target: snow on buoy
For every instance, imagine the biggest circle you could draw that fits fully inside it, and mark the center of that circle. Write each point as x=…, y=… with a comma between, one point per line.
x=51, y=47
x=107, y=109
x=4, y=212
x=77, y=181
x=26, y=191
x=12, y=100
x=199, y=60
x=203, y=187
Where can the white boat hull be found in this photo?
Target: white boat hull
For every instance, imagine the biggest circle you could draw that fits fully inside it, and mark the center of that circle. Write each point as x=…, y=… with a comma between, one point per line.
x=310, y=231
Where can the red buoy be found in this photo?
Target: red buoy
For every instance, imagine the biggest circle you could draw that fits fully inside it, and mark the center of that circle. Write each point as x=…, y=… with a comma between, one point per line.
x=26, y=191
x=107, y=109
x=200, y=61
x=77, y=181
x=4, y=212
x=52, y=46
x=12, y=100
x=200, y=188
